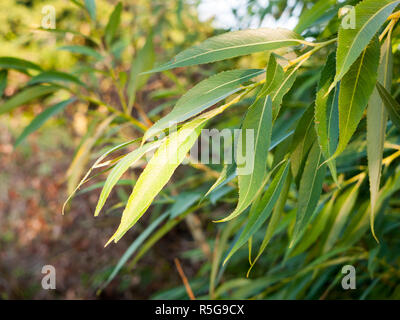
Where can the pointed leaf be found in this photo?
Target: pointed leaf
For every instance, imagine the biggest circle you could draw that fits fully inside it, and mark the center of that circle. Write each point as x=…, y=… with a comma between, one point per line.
x=113, y=23
x=233, y=44
x=157, y=173
x=25, y=96
x=376, y=125
x=42, y=118
x=310, y=191
x=91, y=8
x=327, y=113
x=355, y=89
x=263, y=209
x=202, y=96
x=370, y=15
x=252, y=172
x=85, y=50
x=18, y=64
x=121, y=167
x=54, y=76
x=311, y=16
x=392, y=106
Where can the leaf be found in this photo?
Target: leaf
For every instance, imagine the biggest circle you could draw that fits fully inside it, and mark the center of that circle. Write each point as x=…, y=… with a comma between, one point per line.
x=376, y=126
x=343, y=208
x=275, y=219
x=157, y=173
x=121, y=167
x=309, y=191
x=91, y=8
x=355, y=89
x=252, y=172
x=183, y=202
x=392, y=106
x=134, y=246
x=273, y=78
x=202, y=96
x=263, y=209
x=370, y=15
x=303, y=139
x=227, y=172
x=42, y=118
x=144, y=60
x=85, y=50
x=54, y=76
x=18, y=64
x=327, y=113
x=3, y=81
x=113, y=23
x=309, y=17
x=25, y=96
x=233, y=44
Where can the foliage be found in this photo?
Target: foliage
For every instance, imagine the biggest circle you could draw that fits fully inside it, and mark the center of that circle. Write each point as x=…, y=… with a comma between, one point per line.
x=322, y=103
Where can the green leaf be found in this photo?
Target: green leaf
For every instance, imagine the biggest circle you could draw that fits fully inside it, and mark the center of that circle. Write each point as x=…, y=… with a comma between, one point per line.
x=157, y=173
x=25, y=96
x=370, y=15
x=18, y=64
x=252, y=172
x=392, y=106
x=121, y=167
x=309, y=191
x=309, y=17
x=355, y=89
x=303, y=139
x=85, y=50
x=54, y=76
x=327, y=113
x=183, y=202
x=226, y=173
x=342, y=210
x=91, y=8
x=233, y=44
x=113, y=23
x=202, y=96
x=262, y=210
x=42, y=118
x=277, y=83
x=3, y=81
x=376, y=126
x=275, y=219
x=144, y=60
x=134, y=246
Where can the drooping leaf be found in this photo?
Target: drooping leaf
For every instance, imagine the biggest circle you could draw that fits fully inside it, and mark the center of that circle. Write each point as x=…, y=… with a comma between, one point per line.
x=370, y=15
x=309, y=17
x=309, y=191
x=121, y=167
x=202, y=96
x=275, y=219
x=113, y=23
x=85, y=50
x=303, y=139
x=342, y=210
x=42, y=118
x=18, y=64
x=355, y=89
x=157, y=173
x=144, y=60
x=392, y=106
x=134, y=246
x=233, y=44
x=262, y=210
x=54, y=76
x=25, y=96
x=376, y=125
x=91, y=8
x=327, y=113
x=252, y=171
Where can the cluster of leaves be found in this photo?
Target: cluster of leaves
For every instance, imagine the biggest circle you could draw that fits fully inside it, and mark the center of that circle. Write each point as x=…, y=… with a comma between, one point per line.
x=325, y=172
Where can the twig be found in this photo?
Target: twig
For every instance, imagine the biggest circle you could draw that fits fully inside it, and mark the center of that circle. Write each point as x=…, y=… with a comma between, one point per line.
x=184, y=279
